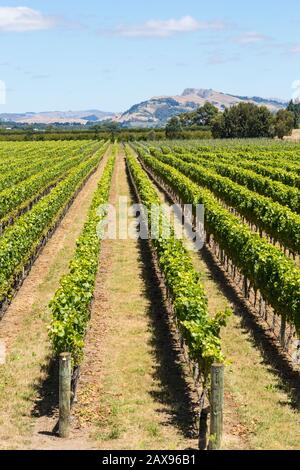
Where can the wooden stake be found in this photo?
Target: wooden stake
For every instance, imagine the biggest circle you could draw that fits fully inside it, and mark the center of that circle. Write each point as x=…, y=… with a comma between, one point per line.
x=282, y=332
x=216, y=406
x=64, y=394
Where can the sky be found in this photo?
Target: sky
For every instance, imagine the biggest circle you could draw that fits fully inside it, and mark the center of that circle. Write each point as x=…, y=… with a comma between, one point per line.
x=80, y=55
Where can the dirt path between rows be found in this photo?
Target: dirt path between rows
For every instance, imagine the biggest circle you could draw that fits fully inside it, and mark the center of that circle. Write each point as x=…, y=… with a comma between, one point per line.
x=24, y=326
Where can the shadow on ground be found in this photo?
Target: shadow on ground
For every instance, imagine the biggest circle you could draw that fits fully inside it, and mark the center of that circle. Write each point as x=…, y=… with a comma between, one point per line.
x=175, y=391
x=47, y=392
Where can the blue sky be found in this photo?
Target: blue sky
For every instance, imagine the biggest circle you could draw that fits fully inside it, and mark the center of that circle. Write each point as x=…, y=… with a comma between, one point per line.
x=63, y=55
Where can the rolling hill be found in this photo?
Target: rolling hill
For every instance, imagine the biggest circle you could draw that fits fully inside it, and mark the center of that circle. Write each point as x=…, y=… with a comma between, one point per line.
x=156, y=111
x=51, y=117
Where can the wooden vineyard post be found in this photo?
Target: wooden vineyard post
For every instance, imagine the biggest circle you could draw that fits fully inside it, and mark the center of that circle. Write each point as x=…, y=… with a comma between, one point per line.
x=282, y=332
x=216, y=406
x=64, y=394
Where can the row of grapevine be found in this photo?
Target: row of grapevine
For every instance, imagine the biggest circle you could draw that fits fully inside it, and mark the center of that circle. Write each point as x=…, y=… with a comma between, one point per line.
x=241, y=149
x=21, y=170
x=199, y=330
x=279, y=192
x=279, y=170
x=279, y=222
x=16, y=199
x=268, y=270
x=271, y=162
x=20, y=159
x=21, y=242
x=71, y=304
x=290, y=178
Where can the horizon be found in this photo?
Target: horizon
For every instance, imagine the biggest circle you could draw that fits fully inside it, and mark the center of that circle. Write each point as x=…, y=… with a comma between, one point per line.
x=123, y=111
x=73, y=56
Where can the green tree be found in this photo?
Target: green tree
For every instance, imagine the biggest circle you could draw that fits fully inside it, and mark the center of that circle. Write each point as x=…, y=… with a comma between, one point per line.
x=174, y=128
x=218, y=126
x=294, y=107
x=260, y=122
x=244, y=120
x=284, y=123
x=206, y=114
x=202, y=117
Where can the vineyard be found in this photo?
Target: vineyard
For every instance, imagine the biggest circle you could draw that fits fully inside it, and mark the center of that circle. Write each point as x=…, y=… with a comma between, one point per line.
x=131, y=342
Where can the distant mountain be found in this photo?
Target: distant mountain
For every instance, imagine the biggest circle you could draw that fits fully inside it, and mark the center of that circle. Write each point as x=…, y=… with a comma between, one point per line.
x=156, y=111
x=51, y=117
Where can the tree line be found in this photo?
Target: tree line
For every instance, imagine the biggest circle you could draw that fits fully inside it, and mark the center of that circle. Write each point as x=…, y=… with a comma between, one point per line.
x=245, y=120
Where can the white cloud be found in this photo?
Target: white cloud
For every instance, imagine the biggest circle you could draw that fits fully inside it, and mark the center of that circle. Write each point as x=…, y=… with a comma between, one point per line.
x=251, y=37
x=20, y=19
x=166, y=28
